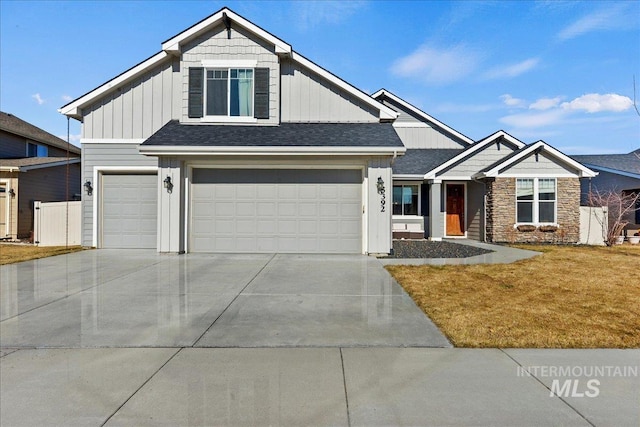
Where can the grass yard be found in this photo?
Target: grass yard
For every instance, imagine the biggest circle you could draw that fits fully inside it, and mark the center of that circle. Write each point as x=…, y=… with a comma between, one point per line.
x=11, y=252
x=569, y=297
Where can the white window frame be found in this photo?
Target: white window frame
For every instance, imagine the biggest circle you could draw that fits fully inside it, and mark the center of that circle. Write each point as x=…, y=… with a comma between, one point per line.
x=407, y=184
x=536, y=203
x=213, y=65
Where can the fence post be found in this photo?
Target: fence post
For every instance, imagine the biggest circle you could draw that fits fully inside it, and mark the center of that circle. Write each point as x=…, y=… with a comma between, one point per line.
x=37, y=224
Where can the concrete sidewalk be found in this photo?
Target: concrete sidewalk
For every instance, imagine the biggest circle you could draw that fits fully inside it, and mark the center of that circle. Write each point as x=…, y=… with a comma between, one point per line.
x=316, y=386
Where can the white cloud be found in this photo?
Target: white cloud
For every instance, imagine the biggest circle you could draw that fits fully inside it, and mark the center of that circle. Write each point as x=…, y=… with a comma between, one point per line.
x=309, y=14
x=545, y=103
x=513, y=70
x=510, y=101
x=437, y=66
x=66, y=98
x=595, y=102
x=534, y=120
x=38, y=98
x=612, y=17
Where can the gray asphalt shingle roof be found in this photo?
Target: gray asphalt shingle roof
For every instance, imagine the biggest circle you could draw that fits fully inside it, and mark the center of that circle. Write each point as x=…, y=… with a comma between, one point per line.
x=421, y=160
x=623, y=162
x=283, y=135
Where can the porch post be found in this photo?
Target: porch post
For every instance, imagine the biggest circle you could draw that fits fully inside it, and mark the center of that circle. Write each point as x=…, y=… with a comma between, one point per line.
x=436, y=217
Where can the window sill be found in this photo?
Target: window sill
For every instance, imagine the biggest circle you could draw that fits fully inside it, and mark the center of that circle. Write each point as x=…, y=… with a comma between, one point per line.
x=228, y=119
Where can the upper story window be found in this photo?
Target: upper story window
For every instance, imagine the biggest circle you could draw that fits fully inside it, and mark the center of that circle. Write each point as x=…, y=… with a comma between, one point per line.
x=37, y=150
x=405, y=199
x=223, y=90
x=229, y=92
x=536, y=200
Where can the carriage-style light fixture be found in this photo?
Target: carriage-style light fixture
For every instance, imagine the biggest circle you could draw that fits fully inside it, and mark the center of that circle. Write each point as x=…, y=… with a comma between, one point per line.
x=168, y=184
x=380, y=185
x=12, y=193
x=88, y=188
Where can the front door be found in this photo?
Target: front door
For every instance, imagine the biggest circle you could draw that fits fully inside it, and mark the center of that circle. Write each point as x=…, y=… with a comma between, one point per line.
x=4, y=227
x=455, y=210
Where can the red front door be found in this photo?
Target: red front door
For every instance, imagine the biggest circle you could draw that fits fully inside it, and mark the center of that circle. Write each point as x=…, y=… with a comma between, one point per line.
x=455, y=209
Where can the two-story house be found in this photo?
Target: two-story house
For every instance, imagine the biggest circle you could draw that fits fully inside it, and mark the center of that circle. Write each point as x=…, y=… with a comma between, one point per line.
x=228, y=140
x=34, y=165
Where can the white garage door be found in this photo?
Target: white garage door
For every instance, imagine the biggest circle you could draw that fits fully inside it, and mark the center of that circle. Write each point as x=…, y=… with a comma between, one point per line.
x=276, y=210
x=129, y=211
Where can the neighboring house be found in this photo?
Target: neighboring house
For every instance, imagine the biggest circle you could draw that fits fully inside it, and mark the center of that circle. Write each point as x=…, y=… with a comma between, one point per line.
x=34, y=165
x=497, y=189
x=616, y=172
x=228, y=140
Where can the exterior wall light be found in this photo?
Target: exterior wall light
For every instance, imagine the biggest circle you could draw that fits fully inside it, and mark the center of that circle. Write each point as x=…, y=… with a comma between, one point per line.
x=12, y=193
x=381, y=192
x=168, y=184
x=88, y=188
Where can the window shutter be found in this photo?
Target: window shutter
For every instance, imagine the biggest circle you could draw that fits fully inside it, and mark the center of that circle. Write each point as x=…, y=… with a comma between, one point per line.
x=261, y=93
x=196, y=91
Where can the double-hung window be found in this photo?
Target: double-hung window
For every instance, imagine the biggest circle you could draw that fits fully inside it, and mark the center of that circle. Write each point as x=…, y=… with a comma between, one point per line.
x=229, y=92
x=535, y=200
x=405, y=199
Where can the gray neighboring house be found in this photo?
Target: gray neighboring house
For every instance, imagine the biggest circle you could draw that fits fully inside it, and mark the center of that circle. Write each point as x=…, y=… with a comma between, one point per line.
x=497, y=189
x=33, y=166
x=616, y=172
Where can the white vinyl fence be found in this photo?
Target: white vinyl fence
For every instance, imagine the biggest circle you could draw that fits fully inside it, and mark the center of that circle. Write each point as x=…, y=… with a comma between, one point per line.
x=57, y=223
x=593, y=225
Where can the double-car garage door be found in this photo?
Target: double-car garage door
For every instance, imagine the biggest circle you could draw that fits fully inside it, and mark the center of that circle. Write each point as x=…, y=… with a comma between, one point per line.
x=276, y=210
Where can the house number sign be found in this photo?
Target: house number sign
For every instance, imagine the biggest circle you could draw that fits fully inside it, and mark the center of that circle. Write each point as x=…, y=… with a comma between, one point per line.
x=381, y=192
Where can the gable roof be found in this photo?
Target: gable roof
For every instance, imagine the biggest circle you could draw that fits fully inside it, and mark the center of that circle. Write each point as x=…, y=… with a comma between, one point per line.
x=383, y=94
x=334, y=138
x=15, y=125
x=621, y=164
x=470, y=150
x=537, y=147
x=419, y=161
x=172, y=46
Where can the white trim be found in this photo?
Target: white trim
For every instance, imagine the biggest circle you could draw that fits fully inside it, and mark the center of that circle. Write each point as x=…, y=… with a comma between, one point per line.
x=173, y=44
x=98, y=171
x=538, y=175
x=444, y=233
x=228, y=119
x=8, y=207
x=408, y=184
x=583, y=171
x=73, y=108
x=160, y=150
x=456, y=178
x=385, y=112
x=111, y=141
x=408, y=177
x=613, y=171
x=401, y=125
x=472, y=149
x=422, y=114
x=229, y=63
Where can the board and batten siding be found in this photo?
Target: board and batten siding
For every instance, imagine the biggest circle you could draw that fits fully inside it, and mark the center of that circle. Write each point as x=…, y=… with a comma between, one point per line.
x=425, y=137
x=139, y=108
x=109, y=155
x=535, y=165
x=478, y=160
x=215, y=45
x=307, y=98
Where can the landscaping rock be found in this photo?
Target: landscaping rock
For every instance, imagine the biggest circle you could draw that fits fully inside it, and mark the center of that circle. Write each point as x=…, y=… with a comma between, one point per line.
x=430, y=249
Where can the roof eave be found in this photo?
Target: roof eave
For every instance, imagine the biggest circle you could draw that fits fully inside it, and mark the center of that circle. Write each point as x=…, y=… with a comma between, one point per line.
x=172, y=150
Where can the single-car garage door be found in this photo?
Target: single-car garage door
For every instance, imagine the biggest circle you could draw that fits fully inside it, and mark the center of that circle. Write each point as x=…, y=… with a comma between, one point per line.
x=129, y=211
x=276, y=210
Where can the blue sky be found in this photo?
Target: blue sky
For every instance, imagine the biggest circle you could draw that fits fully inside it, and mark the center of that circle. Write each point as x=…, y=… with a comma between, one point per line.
x=552, y=70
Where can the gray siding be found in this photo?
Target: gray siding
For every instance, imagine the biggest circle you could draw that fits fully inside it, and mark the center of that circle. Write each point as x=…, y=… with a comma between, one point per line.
x=478, y=161
x=604, y=182
x=138, y=108
x=307, y=97
x=425, y=137
x=405, y=116
x=45, y=185
x=215, y=45
x=541, y=164
x=475, y=210
x=99, y=155
x=15, y=146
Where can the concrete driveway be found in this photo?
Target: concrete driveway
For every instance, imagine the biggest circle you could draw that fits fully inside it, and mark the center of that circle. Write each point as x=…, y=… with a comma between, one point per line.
x=137, y=338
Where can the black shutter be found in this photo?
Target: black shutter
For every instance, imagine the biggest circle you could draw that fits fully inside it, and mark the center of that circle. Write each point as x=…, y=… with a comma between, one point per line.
x=261, y=93
x=196, y=91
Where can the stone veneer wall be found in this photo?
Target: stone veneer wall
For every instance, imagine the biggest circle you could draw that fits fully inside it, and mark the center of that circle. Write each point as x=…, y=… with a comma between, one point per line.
x=501, y=213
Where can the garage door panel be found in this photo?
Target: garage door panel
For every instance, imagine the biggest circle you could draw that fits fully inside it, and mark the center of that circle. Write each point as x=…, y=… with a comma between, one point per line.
x=276, y=211
x=129, y=211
